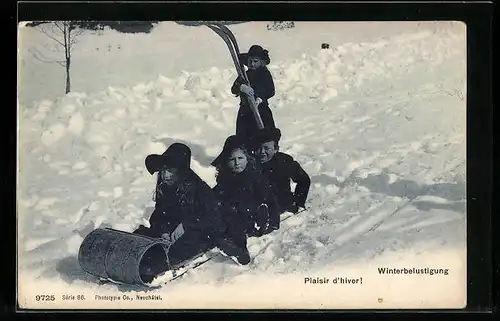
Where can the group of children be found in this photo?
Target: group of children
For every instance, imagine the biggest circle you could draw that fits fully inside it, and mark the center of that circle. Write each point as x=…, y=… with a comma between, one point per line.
x=253, y=182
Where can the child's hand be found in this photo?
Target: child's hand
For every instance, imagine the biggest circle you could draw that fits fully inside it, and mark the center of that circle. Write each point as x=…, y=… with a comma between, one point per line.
x=166, y=237
x=244, y=88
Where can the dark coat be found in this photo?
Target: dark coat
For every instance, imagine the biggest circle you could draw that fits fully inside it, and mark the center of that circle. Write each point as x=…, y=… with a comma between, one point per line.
x=280, y=171
x=262, y=83
x=191, y=203
x=241, y=194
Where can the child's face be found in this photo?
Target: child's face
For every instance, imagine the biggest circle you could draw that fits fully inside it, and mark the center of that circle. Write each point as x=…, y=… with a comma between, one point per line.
x=169, y=176
x=254, y=63
x=266, y=151
x=237, y=161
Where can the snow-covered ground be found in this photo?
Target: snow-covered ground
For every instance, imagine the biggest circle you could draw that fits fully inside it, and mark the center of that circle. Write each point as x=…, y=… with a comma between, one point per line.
x=377, y=120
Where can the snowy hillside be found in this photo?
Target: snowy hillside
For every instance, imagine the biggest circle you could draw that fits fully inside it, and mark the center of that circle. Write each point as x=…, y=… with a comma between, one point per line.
x=377, y=120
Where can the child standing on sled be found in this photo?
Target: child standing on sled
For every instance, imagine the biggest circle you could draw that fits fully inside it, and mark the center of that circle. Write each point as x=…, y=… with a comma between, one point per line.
x=261, y=88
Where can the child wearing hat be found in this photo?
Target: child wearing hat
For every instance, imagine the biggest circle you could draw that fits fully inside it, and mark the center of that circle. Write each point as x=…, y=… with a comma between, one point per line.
x=261, y=88
x=249, y=205
x=281, y=169
x=186, y=211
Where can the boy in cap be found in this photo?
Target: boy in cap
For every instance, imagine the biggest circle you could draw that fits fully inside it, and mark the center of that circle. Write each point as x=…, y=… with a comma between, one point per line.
x=281, y=169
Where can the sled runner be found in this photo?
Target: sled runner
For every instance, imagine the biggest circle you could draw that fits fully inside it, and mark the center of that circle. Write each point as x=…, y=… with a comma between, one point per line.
x=230, y=40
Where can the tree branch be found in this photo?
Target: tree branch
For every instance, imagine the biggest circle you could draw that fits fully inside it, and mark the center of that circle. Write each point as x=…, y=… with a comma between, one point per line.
x=73, y=40
x=76, y=33
x=40, y=57
x=62, y=33
x=51, y=37
x=56, y=23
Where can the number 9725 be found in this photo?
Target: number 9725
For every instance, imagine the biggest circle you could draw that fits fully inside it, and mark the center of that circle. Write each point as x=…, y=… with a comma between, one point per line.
x=45, y=297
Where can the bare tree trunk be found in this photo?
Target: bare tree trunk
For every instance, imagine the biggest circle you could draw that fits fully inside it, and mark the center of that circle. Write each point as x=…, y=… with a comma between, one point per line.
x=68, y=78
x=67, y=54
x=63, y=34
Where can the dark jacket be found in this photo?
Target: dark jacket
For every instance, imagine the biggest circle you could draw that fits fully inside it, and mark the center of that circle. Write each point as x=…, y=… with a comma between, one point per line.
x=280, y=171
x=244, y=192
x=191, y=203
x=262, y=83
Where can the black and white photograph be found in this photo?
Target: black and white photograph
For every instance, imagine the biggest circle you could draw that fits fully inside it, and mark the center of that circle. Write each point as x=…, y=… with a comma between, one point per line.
x=241, y=165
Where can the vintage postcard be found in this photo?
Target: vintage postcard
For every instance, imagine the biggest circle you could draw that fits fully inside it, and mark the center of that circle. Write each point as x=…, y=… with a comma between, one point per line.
x=241, y=165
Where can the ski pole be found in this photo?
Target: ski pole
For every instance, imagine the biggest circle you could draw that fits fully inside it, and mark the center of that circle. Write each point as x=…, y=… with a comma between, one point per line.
x=255, y=109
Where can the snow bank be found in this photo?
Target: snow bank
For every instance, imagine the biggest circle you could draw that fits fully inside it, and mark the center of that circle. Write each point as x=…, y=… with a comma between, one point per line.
x=109, y=57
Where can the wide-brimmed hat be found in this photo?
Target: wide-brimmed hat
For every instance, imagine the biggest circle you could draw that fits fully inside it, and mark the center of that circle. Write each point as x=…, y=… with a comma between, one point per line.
x=255, y=51
x=267, y=135
x=176, y=156
x=232, y=142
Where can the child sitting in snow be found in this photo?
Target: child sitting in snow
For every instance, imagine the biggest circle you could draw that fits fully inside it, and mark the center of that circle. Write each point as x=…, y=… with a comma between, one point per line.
x=261, y=88
x=248, y=205
x=281, y=169
x=186, y=211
